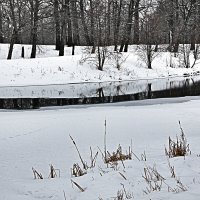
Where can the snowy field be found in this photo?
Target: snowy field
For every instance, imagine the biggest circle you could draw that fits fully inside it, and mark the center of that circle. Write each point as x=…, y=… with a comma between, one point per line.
x=41, y=137
x=48, y=68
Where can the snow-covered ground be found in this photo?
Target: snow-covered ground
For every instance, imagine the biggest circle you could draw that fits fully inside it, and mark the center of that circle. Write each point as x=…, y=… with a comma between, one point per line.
x=48, y=68
x=38, y=138
x=41, y=137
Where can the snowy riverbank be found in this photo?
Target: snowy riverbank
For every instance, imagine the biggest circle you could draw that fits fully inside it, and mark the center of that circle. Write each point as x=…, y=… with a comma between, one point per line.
x=39, y=138
x=48, y=68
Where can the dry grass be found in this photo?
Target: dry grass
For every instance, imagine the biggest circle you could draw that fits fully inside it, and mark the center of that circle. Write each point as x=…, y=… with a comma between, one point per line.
x=36, y=174
x=172, y=170
x=115, y=156
x=77, y=171
x=92, y=158
x=53, y=171
x=143, y=157
x=123, y=194
x=153, y=179
x=179, y=147
x=118, y=155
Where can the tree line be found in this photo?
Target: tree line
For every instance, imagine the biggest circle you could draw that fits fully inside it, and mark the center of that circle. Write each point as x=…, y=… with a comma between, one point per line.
x=99, y=23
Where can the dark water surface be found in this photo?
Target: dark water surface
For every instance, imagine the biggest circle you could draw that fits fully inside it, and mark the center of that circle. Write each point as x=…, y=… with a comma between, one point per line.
x=33, y=97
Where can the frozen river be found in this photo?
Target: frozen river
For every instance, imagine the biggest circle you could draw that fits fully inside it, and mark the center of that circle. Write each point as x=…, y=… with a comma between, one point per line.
x=30, y=97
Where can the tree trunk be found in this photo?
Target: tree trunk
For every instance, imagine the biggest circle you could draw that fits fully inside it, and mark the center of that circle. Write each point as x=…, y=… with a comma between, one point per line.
x=76, y=37
x=14, y=22
x=136, y=23
x=63, y=31
x=129, y=25
x=117, y=24
x=57, y=23
x=69, y=40
x=108, y=35
x=12, y=42
x=1, y=26
x=73, y=50
x=173, y=24
x=14, y=37
x=22, y=53
x=92, y=23
x=121, y=47
x=85, y=29
x=35, y=29
x=62, y=41
x=149, y=56
x=193, y=36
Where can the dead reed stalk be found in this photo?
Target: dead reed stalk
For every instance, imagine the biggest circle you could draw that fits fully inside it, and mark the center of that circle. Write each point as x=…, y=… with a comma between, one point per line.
x=85, y=167
x=78, y=186
x=53, y=173
x=36, y=174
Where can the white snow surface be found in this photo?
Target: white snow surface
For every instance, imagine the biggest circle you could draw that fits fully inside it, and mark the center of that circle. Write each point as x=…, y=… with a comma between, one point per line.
x=49, y=68
x=41, y=137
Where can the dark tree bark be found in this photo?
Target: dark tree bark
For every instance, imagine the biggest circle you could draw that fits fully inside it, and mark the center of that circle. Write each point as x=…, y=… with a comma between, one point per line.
x=149, y=56
x=129, y=25
x=92, y=23
x=35, y=28
x=76, y=37
x=69, y=40
x=121, y=46
x=1, y=26
x=136, y=23
x=173, y=24
x=73, y=50
x=12, y=42
x=14, y=37
x=194, y=33
x=57, y=24
x=14, y=21
x=85, y=28
x=108, y=35
x=63, y=30
x=117, y=23
x=22, y=54
x=62, y=41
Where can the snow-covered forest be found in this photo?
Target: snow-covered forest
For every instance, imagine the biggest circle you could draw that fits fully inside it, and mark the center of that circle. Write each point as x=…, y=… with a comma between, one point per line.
x=99, y=99
x=100, y=23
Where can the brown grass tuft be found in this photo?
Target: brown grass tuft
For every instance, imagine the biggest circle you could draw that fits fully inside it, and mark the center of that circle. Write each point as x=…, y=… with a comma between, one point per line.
x=77, y=171
x=178, y=147
x=117, y=156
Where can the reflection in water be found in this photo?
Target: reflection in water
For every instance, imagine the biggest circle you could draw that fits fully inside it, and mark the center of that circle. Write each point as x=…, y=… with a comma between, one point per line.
x=34, y=97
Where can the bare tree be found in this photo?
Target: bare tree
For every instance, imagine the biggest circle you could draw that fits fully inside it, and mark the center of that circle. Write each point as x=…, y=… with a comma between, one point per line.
x=75, y=20
x=1, y=24
x=63, y=29
x=57, y=23
x=136, y=23
x=85, y=27
x=34, y=32
x=117, y=21
x=15, y=35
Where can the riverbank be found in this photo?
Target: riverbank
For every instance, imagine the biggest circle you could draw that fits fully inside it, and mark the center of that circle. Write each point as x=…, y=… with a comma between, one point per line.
x=42, y=137
x=48, y=68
